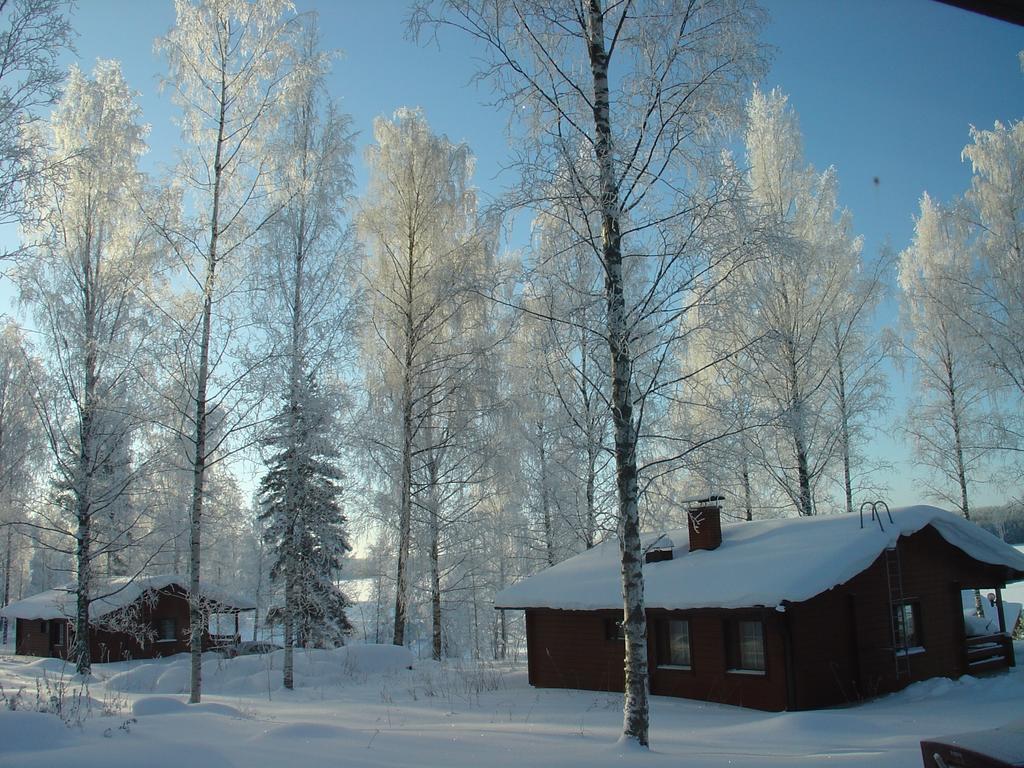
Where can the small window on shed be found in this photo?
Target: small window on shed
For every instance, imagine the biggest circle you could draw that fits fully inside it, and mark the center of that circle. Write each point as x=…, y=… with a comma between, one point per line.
x=42, y=627
x=167, y=630
x=674, y=644
x=613, y=629
x=906, y=618
x=745, y=647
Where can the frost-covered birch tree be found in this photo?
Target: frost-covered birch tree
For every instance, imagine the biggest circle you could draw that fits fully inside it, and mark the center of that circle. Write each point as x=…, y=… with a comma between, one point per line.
x=427, y=250
x=946, y=414
x=622, y=100
x=793, y=300
x=230, y=65
x=92, y=259
x=792, y=314
x=857, y=386
x=994, y=311
x=570, y=283
x=454, y=453
x=538, y=422
x=22, y=448
x=33, y=35
x=723, y=403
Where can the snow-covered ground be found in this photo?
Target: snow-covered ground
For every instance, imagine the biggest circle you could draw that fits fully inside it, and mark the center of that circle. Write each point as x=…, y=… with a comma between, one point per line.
x=363, y=706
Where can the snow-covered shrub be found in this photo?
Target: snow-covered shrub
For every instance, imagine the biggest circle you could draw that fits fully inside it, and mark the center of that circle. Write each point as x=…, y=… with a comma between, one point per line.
x=70, y=702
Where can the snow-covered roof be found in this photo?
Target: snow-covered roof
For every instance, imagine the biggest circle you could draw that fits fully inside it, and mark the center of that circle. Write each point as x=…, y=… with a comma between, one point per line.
x=114, y=593
x=759, y=563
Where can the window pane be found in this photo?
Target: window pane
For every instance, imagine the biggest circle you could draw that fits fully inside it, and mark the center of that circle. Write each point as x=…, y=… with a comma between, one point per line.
x=679, y=643
x=167, y=629
x=751, y=645
x=907, y=631
x=613, y=630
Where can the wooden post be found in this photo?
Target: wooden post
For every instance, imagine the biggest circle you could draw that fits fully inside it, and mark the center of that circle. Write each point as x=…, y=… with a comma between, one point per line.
x=999, y=610
x=1010, y=656
x=787, y=652
x=532, y=650
x=960, y=629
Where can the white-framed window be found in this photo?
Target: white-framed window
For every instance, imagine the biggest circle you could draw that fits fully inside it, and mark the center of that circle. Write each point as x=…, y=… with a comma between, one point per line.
x=674, y=644
x=745, y=649
x=166, y=630
x=906, y=618
x=56, y=630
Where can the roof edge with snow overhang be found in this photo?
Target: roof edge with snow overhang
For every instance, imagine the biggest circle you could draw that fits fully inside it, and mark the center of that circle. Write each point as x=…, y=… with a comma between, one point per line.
x=760, y=563
x=114, y=594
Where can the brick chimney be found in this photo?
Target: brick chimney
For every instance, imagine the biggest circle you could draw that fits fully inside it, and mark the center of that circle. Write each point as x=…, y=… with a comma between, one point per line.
x=705, y=523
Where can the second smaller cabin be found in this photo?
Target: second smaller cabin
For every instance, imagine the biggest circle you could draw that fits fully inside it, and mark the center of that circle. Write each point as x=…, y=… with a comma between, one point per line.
x=137, y=618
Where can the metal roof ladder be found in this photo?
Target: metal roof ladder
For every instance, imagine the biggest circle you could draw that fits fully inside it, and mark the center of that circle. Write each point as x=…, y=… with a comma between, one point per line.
x=894, y=576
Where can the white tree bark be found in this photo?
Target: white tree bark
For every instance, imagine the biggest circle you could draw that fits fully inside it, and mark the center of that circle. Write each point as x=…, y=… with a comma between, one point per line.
x=635, y=711
x=609, y=167
x=230, y=65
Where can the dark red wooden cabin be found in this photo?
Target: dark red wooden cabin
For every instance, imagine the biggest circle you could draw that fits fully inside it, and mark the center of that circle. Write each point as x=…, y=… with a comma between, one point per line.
x=135, y=619
x=856, y=623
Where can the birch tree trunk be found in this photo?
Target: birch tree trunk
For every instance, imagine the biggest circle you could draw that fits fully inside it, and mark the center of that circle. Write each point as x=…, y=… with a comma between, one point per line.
x=635, y=711
x=545, y=496
x=80, y=652
x=958, y=450
x=289, y=620
x=796, y=424
x=804, y=477
x=590, y=525
x=7, y=578
x=10, y=528
x=501, y=651
x=230, y=67
x=684, y=65
x=844, y=430
x=435, y=558
x=199, y=457
x=195, y=611
x=295, y=371
x=86, y=461
x=593, y=443
x=748, y=507
x=434, y=532
x=405, y=491
x=291, y=537
x=958, y=447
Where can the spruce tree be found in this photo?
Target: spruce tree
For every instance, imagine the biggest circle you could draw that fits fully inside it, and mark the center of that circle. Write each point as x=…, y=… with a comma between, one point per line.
x=300, y=497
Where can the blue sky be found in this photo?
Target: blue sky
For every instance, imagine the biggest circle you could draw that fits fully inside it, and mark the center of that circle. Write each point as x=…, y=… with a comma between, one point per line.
x=889, y=90
x=885, y=89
